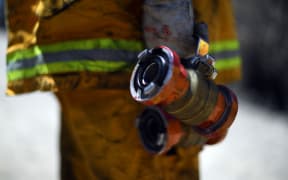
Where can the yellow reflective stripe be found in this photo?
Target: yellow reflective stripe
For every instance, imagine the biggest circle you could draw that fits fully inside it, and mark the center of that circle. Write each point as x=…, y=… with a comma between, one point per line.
x=226, y=53
x=229, y=63
x=24, y=54
x=75, y=55
x=227, y=45
x=97, y=66
x=62, y=67
x=75, y=45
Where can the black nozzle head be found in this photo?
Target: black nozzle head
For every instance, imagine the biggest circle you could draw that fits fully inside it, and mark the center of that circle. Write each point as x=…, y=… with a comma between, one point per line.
x=152, y=128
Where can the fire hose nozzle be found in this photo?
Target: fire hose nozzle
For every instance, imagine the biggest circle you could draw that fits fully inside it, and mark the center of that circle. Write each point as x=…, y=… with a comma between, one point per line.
x=181, y=97
x=158, y=77
x=158, y=130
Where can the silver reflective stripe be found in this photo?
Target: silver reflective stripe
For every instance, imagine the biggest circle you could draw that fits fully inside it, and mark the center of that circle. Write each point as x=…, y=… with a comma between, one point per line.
x=112, y=55
x=222, y=55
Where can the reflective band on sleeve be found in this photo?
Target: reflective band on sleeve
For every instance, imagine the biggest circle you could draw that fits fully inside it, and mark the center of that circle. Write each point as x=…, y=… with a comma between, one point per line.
x=100, y=55
x=223, y=46
x=75, y=45
x=75, y=55
x=227, y=54
x=230, y=63
x=62, y=67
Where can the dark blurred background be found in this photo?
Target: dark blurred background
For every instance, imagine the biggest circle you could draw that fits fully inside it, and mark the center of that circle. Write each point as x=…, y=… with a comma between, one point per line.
x=2, y=24
x=262, y=28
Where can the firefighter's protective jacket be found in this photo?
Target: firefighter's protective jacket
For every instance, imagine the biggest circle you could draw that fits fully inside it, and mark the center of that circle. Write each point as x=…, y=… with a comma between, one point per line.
x=84, y=50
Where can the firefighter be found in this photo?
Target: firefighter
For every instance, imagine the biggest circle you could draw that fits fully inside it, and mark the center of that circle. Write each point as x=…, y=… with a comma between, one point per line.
x=84, y=51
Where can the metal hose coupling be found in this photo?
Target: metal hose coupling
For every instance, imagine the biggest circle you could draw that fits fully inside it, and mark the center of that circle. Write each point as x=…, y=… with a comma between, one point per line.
x=184, y=105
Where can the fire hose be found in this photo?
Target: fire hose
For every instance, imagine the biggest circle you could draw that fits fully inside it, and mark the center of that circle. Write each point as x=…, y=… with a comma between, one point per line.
x=184, y=106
